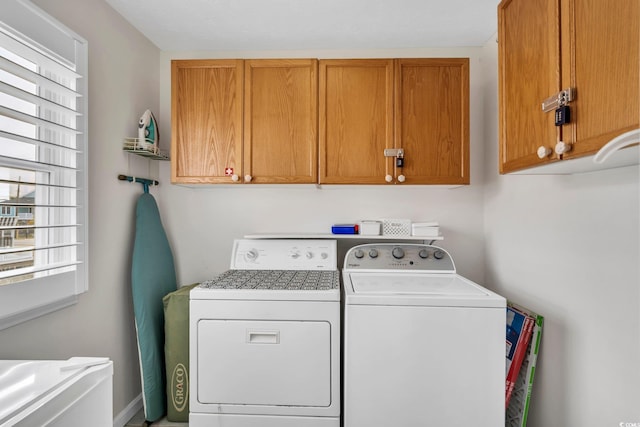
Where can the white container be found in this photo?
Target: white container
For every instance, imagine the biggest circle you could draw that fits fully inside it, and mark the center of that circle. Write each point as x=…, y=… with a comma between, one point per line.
x=425, y=229
x=370, y=228
x=396, y=227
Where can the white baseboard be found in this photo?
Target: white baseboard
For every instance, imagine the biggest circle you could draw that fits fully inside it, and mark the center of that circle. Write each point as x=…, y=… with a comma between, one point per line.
x=127, y=413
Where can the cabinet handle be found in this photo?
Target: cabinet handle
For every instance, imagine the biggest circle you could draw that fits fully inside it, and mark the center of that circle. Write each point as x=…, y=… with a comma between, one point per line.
x=543, y=152
x=401, y=178
x=388, y=178
x=562, y=147
x=248, y=178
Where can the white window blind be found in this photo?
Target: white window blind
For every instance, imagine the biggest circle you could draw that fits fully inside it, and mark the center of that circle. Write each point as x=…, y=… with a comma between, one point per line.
x=43, y=180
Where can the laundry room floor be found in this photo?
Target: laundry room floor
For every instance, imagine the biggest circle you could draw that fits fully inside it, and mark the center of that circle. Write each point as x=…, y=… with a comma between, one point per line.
x=139, y=421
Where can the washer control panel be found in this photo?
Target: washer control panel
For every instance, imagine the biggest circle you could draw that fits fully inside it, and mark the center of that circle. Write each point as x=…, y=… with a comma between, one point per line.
x=284, y=254
x=399, y=256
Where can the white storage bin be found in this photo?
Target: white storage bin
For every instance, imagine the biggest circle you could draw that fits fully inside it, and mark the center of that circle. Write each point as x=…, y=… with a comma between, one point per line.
x=370, y=228
x=425, y=229
x=396, y=227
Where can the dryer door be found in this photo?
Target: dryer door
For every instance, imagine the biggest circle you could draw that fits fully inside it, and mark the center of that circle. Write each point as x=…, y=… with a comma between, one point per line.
x=255, y=362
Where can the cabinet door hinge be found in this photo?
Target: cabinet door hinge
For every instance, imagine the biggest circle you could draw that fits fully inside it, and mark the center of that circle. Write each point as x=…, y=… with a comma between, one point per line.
x=558, y=100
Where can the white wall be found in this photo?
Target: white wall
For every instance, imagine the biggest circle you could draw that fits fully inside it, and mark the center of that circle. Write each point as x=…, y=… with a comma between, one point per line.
x=123, y=82
x=567, y=247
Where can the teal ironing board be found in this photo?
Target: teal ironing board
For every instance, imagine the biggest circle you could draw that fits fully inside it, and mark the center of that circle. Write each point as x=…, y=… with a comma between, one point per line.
x=152, y=277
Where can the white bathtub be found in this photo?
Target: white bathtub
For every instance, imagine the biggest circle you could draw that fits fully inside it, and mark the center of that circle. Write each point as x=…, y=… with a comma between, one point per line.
x=66, y=393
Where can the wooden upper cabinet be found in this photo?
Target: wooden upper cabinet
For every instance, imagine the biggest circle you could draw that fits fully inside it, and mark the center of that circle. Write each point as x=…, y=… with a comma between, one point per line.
x=603, y=39
x=529, y=72
x=418, y=105
x=281, y=120
x=327, y=121
x=356, y=120
x=432, y=120
x=206, y=120
x=546, y=46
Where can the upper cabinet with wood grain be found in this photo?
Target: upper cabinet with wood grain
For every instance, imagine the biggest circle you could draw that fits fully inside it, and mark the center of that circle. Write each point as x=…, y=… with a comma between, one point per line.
x=281, y=121
x=432, y=120
x=356, y=120
x=583, y=54
x=206, y=120
x=252, y=121
x=415, y=110
x=332, y=121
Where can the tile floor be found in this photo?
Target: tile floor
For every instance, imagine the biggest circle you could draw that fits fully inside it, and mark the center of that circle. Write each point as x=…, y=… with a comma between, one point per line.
x=139, y=421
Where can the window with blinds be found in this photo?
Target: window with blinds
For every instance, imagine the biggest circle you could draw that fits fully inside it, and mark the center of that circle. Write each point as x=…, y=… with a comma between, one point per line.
x=43, y=182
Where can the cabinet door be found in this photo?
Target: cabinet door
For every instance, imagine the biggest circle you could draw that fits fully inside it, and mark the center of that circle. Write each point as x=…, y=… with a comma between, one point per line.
x=281, y=120
x=356, y=120
x=603, y=39
x=529, y=72
x=206, y=120
x=432, y=120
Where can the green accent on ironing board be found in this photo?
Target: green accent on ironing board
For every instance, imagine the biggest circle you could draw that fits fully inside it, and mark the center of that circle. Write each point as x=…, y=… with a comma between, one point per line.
x=152, y=277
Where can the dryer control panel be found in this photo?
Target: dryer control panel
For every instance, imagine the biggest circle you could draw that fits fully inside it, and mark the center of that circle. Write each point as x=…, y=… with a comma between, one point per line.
x=284, y=254
x=399, y=257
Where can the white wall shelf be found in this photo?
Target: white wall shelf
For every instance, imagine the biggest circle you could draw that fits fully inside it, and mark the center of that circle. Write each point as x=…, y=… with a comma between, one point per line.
x=338, y=236
x=144, y=149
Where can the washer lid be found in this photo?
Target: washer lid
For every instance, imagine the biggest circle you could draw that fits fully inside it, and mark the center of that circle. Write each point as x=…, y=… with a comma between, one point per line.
x=417, y=289
x=443, y=284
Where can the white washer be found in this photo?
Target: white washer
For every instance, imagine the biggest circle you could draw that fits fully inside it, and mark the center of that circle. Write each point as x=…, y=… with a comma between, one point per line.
x=423, y=345
x=265, y=338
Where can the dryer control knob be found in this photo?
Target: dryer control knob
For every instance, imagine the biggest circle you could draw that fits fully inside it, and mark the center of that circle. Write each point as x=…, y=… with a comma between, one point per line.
x=424, y=254
x=309, y=255
x=398, y=253
x=251, y=255
x=295, y=254
x=438, y=254
x=358, y=253
x=388, y=178
x=373, y=253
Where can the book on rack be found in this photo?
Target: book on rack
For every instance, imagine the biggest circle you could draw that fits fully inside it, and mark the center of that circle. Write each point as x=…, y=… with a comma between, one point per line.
x=518, y=409
x=519, y=331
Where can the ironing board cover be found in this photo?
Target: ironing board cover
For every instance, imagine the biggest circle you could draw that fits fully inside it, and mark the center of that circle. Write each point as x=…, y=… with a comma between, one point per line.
x=152, y=277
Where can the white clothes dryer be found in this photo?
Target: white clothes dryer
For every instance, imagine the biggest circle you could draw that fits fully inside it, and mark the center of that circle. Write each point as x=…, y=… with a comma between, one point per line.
x=265, y=338
x=423, y=345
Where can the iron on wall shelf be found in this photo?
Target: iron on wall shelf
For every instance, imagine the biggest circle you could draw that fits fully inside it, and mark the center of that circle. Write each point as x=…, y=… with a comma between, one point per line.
x=143, y=148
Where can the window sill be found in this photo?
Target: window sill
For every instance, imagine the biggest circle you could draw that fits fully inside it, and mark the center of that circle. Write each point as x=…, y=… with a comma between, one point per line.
x=23, y=301
x=12, y=320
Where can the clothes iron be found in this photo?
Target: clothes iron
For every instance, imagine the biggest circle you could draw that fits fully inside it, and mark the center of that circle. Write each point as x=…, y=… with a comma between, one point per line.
x=148, y=129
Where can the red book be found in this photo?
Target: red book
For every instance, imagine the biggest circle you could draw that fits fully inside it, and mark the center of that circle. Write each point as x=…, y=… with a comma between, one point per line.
x=519, y=331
